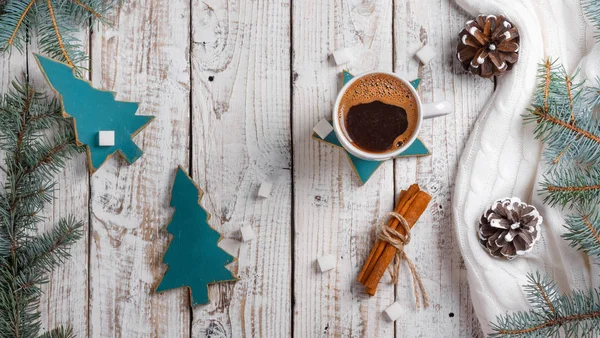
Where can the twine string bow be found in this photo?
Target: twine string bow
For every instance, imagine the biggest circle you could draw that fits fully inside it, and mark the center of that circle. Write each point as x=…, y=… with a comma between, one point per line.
x=399, y=241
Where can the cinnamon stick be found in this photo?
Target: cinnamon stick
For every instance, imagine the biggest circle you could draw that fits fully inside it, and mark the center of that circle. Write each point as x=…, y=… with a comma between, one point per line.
x=414, y=211
x=375, y=253
x=395, y=225
x=371, y=258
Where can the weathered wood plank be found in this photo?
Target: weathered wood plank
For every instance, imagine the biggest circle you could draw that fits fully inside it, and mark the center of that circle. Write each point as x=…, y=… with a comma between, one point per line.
x=65, y=298
x=12, y=66
x=433, y=248
x=333, y=214
x=241, y=137
x=143, y=57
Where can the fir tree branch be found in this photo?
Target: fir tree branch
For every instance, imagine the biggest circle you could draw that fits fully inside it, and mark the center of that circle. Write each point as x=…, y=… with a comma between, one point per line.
x=49, y=250
x=552, y=323
x=592, y=10
x=584, y=231
x=87, y=8
x=553, y=314
x=40, y=195
x=60, y=332
x=547, y=82
x=541, y=291
x=30, y=159
x=20, y=22
x=554, y=188
x=60, y=148
x=572, y=186
x=561, y=154
x=58, y=35
x=543, y=116
x=593, y=94
x=561, y=111
x=24, y=113
x=14, y=19
x=55, y=22
x=569, y=85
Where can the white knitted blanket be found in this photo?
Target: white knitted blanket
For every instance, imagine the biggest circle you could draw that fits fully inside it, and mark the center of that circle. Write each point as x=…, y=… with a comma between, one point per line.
x=502, y=159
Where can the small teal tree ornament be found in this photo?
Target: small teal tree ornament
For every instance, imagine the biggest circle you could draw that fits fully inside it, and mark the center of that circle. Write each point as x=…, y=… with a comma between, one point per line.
x=93, y=111
x=194, y=260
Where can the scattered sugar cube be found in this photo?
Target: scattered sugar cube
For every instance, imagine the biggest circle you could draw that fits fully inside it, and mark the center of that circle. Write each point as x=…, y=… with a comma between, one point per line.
x=326, y=263
x=426, y=54
x=393, y=311
x=247, y=233
x=323, y=128
x=265, y=189
x=231, y=246
x=342, y=56
x=106, y=138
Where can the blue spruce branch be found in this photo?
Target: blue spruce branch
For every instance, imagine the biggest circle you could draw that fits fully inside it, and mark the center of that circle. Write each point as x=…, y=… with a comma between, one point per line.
x=564, y=111
x=553, y=314
x=55, y=22
x=60, y=332
x=592, y=10
x=572, y=186
x=30, y=162
x=584, y=231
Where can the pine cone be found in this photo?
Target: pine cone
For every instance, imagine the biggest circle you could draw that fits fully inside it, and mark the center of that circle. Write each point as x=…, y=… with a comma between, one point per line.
x=488, y=46
x=509, y=228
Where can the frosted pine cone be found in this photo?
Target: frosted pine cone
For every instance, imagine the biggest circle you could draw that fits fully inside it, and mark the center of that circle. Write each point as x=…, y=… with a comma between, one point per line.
x=509, y=228
x=488, y=46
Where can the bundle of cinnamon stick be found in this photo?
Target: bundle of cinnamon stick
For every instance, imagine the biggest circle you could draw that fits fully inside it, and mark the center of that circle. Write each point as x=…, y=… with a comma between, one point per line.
x=411, y=205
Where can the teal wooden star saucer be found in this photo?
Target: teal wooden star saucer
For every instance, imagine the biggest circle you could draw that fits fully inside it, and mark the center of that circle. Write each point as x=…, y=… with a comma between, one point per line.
x=365, y=168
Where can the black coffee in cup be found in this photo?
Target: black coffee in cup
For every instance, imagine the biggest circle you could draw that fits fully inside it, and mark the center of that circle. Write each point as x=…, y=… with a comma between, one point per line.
x=378, y=113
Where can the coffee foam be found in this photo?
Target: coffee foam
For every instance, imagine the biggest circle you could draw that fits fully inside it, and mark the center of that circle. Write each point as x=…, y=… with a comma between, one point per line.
x=387, y=89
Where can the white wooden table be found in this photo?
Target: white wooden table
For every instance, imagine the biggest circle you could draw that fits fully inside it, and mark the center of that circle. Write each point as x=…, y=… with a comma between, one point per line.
x=237, y=87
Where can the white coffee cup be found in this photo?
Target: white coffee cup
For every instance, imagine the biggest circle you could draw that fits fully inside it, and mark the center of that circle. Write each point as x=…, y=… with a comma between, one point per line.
x=424, y=111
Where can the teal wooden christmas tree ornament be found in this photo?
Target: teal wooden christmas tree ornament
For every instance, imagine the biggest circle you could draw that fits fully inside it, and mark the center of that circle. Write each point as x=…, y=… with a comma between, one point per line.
x=365, y=169
x=93, y=111
x=194, y=260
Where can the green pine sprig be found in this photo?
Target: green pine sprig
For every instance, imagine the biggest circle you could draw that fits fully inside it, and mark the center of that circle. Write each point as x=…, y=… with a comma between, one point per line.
x=37, y=143
x=55, y=22
x=564, y=111
x=553, y=314
x=592, y=10
x=584, y=230
x=573, y=186
x=15, y=18
x=60, y=332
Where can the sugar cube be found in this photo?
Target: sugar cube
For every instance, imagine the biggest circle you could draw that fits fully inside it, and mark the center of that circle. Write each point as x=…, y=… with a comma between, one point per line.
x=106, y=138
x=265, y=189
x=342, y=56
x=326, y=263
x=393, y=311
x=247, y=233
x=425, y=54
x=323, y=128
